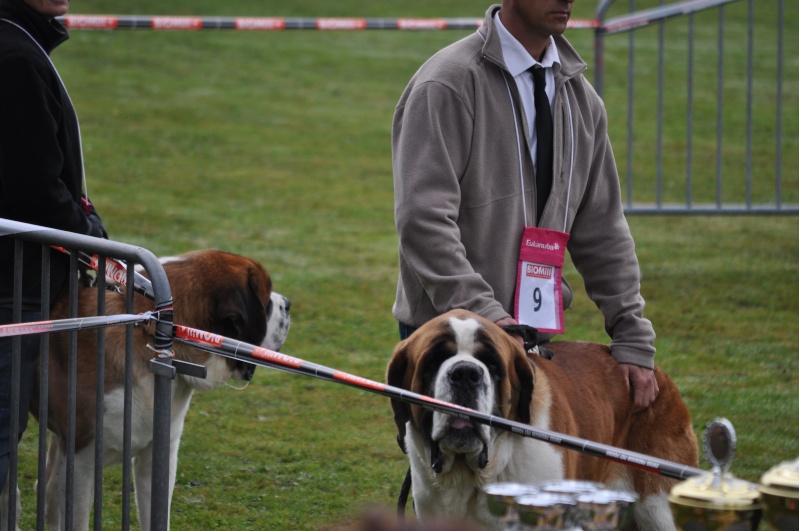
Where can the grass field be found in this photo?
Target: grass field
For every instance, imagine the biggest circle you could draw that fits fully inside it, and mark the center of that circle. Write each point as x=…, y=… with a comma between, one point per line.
x=277, y=146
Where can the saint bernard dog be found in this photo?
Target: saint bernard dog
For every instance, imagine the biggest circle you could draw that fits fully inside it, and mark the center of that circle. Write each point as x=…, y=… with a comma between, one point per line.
x=467, y=360
x=214, y=291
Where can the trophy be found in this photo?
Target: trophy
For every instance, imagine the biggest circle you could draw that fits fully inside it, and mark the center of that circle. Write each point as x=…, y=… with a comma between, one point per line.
x=779, y=491
x=716, y=500
x=605, y=510
x=501, y=501
x=545, y=511
x=571, y=487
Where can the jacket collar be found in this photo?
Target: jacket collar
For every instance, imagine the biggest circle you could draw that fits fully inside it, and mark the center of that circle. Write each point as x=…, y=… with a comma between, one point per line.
x=571, y=62
x=48, y=33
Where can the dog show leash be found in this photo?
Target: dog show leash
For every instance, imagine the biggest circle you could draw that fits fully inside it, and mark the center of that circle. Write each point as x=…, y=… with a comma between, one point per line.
x=530, y=339
x=241, y=351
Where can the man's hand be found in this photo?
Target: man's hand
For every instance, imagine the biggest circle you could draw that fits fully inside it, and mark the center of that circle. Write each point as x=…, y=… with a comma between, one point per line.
x=510, y=321
x=643, y=384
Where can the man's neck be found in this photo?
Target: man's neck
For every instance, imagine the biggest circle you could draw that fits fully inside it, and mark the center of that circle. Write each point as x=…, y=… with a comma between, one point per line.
x=535, y=45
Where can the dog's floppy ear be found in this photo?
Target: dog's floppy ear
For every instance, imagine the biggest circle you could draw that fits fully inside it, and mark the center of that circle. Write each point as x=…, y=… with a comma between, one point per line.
x=523, y=382
x=260, y=283
x=230, y=313
x=395, y=377
x=524, y=371
x=241, y=304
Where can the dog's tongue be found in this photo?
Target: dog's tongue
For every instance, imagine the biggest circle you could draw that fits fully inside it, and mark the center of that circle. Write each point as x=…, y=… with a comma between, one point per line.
x=459, y=424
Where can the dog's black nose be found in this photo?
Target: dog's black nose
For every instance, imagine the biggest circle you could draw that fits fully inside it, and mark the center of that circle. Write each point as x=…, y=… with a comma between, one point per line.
x=247, y=370
x=465, y=375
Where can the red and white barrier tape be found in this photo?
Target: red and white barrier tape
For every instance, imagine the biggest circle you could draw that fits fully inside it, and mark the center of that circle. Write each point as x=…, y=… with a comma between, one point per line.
x=115, y=270
x=112, y=22
x=78, y=323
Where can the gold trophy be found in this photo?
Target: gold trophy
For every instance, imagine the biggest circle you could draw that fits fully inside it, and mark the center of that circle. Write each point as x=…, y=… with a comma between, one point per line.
x=716, y=500
x=779, y=491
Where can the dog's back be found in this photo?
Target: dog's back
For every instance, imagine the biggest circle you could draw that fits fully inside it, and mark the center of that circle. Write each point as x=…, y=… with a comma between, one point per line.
x=664, y=430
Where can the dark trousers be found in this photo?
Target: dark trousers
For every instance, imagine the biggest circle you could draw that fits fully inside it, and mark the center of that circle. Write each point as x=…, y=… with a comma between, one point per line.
x=405, y=331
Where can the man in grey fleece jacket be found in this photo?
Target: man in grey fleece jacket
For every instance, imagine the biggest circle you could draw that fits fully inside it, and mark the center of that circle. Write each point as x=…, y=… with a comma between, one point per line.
x=461, y=151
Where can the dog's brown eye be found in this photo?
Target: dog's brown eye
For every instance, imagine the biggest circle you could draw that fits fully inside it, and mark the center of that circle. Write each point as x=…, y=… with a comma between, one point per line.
x=491, y=360
x=437, y=354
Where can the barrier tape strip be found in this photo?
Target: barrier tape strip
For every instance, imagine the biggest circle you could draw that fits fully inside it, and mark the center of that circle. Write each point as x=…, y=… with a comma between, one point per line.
x=112, y=22
x=116, y=270
x=77, y=323
x=241, y=351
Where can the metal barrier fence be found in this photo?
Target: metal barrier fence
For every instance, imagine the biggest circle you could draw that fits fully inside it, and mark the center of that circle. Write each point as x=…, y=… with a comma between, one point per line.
x=731, y=159
x=162, y=368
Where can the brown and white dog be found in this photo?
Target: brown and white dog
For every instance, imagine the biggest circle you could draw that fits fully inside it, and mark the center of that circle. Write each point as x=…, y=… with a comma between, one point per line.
x=464, y=359
x=214, y=291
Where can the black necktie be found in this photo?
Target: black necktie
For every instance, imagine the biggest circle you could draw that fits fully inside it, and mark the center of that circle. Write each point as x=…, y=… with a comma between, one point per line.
x=543, y=134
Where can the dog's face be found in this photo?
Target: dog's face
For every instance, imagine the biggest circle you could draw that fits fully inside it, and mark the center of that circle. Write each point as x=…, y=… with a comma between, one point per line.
x=463, y=359
x=232, y=296
x=278, y=321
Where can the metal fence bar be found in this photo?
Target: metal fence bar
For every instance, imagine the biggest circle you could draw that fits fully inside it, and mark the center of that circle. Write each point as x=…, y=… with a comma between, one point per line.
x=127, y=405
x=750, y=54
x=689, y=141
x=720, y=108
x=659, y=125
x=22, y=232
x=16, y=370
x=72, y=372
x=778, y=155
x=630, y=107
x=99, y=397
x=44, y=389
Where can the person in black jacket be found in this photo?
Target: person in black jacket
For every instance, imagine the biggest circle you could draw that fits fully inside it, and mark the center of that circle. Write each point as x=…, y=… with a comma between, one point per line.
x=41, y=179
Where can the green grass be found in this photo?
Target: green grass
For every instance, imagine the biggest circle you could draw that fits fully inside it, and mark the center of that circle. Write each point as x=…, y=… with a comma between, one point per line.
x=277, y=146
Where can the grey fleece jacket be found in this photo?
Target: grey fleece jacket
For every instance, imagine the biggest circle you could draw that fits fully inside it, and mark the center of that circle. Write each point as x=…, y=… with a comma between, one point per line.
x=458, y=199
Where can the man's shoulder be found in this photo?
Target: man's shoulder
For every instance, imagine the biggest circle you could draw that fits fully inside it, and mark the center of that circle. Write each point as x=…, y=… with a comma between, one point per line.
x=451, y=64
x=22, y=61
x=14, y=44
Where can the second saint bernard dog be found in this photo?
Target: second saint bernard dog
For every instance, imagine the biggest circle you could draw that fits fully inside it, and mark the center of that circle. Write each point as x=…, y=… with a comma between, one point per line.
x=214, y=291
x=464, y=359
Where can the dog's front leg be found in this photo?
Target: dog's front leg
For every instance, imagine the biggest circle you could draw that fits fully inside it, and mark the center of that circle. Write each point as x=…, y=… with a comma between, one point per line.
x=143, y=479
x=56, y=487
x=83, y=494
x=53, y=495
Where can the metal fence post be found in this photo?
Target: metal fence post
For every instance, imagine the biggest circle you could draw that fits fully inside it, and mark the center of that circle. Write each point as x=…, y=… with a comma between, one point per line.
x=164, y=373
